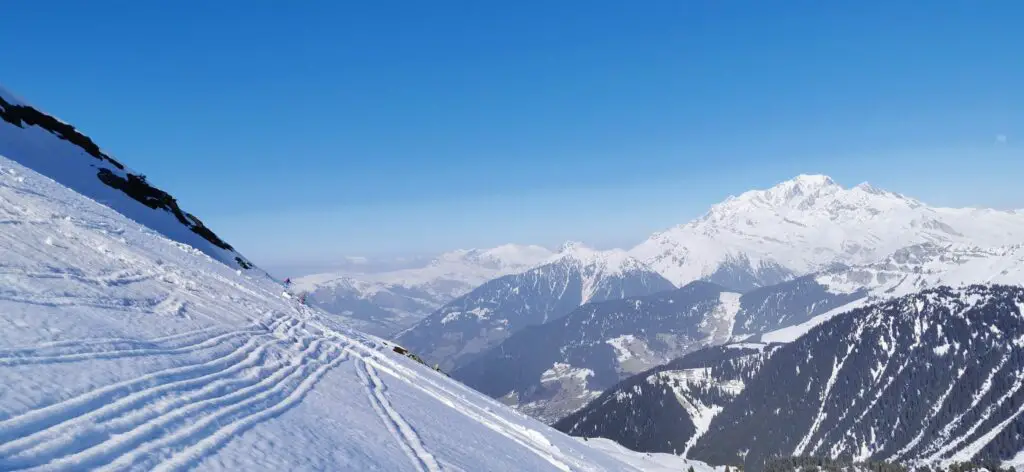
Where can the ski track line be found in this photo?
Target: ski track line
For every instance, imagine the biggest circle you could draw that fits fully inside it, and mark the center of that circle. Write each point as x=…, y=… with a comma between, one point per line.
x=126, y=413
x=28, y=350
x=517, y=433
x=121, y=353
x=165, y=429
x=256, y=405
x=396, y=424
x=24, y=355
x=211, y=443
x=35, y=420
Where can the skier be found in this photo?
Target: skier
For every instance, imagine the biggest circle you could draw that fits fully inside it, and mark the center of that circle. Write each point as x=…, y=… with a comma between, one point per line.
x=287, y=281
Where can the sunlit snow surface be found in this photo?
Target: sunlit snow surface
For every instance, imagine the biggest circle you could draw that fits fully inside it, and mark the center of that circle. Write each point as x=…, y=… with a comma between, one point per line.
x=123, y=350
x=810, y=222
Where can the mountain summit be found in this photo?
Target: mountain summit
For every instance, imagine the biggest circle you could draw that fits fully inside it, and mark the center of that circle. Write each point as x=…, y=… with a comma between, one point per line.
x=808, y=223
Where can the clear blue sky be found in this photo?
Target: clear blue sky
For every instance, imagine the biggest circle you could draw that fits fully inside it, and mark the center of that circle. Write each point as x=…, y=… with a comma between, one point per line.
x=306, y=130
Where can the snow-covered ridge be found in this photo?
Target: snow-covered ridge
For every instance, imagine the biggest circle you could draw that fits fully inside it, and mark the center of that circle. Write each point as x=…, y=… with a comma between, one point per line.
x=913, y=269
x=606, y=262
x=56, y=149
x=123, y=349
x=809, y=223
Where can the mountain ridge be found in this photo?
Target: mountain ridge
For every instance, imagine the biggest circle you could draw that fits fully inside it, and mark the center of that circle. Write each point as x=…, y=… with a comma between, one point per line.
x=54, y=148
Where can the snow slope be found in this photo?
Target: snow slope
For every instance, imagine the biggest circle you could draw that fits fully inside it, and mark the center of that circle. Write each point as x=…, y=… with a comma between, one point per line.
x=125, y=350
x=806, y=224
x=59, y=151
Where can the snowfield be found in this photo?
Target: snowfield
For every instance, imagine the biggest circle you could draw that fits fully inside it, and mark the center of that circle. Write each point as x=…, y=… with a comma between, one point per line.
x=125, y=350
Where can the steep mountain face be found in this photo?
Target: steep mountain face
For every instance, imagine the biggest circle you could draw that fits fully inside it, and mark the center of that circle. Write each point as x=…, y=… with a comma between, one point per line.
x=386, y=302
x=491, y=313
x=58, y=150
x=124, y=350
x=806, y=225
x=669, y=407
x=932, y=377
x=550, y=370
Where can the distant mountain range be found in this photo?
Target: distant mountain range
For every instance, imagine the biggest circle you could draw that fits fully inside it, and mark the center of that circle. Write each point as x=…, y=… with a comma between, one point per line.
x=552, y=369
x=486, y=316
x=384, y=302
x=586, y=339
x=759, y=238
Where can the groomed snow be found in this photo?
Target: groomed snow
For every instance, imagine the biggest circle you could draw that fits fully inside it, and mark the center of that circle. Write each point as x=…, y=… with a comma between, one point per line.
x=124, y=350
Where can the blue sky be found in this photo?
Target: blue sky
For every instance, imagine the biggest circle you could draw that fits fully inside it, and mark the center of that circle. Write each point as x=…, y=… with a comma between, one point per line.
x=306, y=130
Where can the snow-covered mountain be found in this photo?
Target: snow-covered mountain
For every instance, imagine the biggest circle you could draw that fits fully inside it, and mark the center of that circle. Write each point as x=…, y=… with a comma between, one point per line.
x=932, y=377
x=669, y=407
x=56, y=149
x=906, y=271
x=929, y=378
x=551, y=370
x=489, y=314
x=125, y=349
x=386, y=302
x=785, y=311
x=807, y=224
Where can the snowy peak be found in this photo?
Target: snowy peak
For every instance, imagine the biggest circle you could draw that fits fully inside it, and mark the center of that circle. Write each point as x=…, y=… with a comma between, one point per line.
x=393, y=300
x=808, y=224
x=808, y=194
x=587, y=259
x=801, y=186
